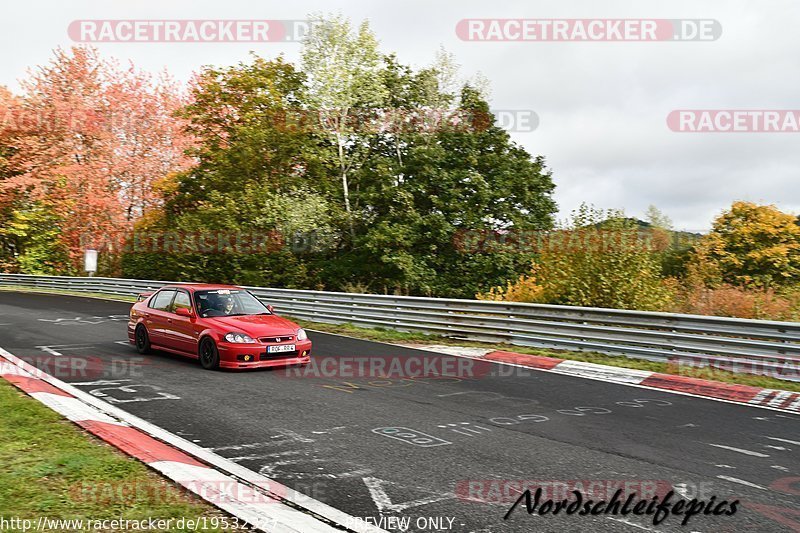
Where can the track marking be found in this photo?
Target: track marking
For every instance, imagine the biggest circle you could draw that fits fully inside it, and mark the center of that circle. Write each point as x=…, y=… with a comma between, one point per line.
x=384, y=503
x=243, y=446
x=739, y=450
x=725, y=466
x=682, y=490
x=265, y=456
x=411, y=436
x=331, y=430
x=785, y=440
x=779, y=467
x=741, y=482
x=632, y=524
x=49, y=350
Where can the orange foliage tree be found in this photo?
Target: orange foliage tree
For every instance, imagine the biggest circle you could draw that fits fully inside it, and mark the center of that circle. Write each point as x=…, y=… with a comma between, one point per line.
x=86, y=140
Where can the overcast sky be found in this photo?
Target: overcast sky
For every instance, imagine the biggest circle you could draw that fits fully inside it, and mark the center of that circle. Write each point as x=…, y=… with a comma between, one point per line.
x=602, y=105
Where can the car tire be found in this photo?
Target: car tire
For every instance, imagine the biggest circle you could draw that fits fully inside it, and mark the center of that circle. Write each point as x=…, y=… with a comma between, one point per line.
x=209, y=355
x=142, y=339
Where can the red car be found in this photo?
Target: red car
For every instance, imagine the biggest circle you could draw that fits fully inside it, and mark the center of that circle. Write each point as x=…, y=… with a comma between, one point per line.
x=221, y=325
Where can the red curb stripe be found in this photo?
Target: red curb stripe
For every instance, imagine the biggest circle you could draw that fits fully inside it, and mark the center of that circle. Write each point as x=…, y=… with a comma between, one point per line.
x=534, y=361
x=790, y=401
x=703, y=387
x=768, y=398
x=30, y=385
x=136, y=443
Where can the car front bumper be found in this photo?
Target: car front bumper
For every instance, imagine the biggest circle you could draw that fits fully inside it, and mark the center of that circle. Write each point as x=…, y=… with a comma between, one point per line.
x=246, y=356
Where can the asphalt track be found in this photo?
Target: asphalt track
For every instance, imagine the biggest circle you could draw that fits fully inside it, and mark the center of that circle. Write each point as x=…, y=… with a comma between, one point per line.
x=477, y=432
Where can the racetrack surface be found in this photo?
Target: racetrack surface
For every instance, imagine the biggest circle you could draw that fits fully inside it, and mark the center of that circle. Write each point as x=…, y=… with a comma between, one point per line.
x=331, y=436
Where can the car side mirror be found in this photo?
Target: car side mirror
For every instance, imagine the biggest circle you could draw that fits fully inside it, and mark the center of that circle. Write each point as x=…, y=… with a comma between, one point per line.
x=184, y=311
x=270, y=309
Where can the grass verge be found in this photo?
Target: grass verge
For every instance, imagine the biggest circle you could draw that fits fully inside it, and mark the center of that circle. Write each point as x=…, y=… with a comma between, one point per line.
x=420, y=339
x=52, y=468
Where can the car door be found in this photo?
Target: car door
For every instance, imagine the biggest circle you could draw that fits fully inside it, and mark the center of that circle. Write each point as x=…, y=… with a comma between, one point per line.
x=157, y=315
x=182, y=331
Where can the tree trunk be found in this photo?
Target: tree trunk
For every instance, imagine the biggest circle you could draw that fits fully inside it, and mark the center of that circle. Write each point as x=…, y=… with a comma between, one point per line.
x=345, y=186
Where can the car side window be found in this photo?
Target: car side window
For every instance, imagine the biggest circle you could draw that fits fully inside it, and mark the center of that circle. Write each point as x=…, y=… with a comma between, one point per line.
x=162, y=300
x=181, y=300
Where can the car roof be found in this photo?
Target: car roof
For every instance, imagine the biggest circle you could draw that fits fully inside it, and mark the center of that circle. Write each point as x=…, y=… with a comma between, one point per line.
x=200, y=286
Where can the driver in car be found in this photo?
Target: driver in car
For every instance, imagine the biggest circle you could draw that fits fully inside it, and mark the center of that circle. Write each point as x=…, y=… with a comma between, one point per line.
x=219, y=305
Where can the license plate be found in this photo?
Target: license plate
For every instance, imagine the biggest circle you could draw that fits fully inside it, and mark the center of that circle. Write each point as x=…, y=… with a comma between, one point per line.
x=280, y=349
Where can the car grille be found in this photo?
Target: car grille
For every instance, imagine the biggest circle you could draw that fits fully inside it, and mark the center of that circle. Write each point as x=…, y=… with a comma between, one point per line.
x=280, y=338
x=273, y=356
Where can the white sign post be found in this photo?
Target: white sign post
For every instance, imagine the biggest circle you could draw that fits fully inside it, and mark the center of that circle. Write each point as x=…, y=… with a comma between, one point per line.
x=90, y=261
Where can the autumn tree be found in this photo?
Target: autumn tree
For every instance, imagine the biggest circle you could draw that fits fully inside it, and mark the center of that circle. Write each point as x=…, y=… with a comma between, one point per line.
x=258, y=172
x=751, y=245
x=597, y=259
x=88, y=139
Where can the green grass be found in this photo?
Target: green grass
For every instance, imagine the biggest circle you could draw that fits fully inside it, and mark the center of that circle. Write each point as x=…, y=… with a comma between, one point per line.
x=50, y=467
x=409, y=338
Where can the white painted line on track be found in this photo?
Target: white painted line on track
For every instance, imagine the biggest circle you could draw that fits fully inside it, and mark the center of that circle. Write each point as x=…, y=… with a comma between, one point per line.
x=741, y=482
x=631, y=524
x=787, y=441
x=739, y=450
x=49, y=350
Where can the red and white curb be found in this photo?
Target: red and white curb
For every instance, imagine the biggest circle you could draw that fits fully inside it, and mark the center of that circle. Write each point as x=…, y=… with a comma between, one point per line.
x=779, y=400
x=223, y=483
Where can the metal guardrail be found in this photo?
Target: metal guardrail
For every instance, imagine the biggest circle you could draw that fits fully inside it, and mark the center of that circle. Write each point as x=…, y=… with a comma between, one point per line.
x=747, y=346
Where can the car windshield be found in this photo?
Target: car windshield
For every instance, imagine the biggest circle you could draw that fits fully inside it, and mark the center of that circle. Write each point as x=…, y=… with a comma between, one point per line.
x=228, y=302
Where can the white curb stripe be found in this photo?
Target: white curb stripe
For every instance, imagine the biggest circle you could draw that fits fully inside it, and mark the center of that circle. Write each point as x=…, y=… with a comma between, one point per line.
x=603, y=372
x=10, y=369
x=226, y=493
x=73, y=409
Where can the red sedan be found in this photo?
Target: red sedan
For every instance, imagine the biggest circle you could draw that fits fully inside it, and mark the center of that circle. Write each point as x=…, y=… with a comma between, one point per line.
x=221, y=325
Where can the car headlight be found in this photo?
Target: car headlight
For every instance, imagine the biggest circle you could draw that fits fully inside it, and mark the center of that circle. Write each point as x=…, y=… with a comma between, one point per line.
x=301, y=335
x=239, y=338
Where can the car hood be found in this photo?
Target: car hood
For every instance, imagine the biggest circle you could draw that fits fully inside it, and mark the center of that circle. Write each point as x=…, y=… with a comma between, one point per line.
x=255, y=325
